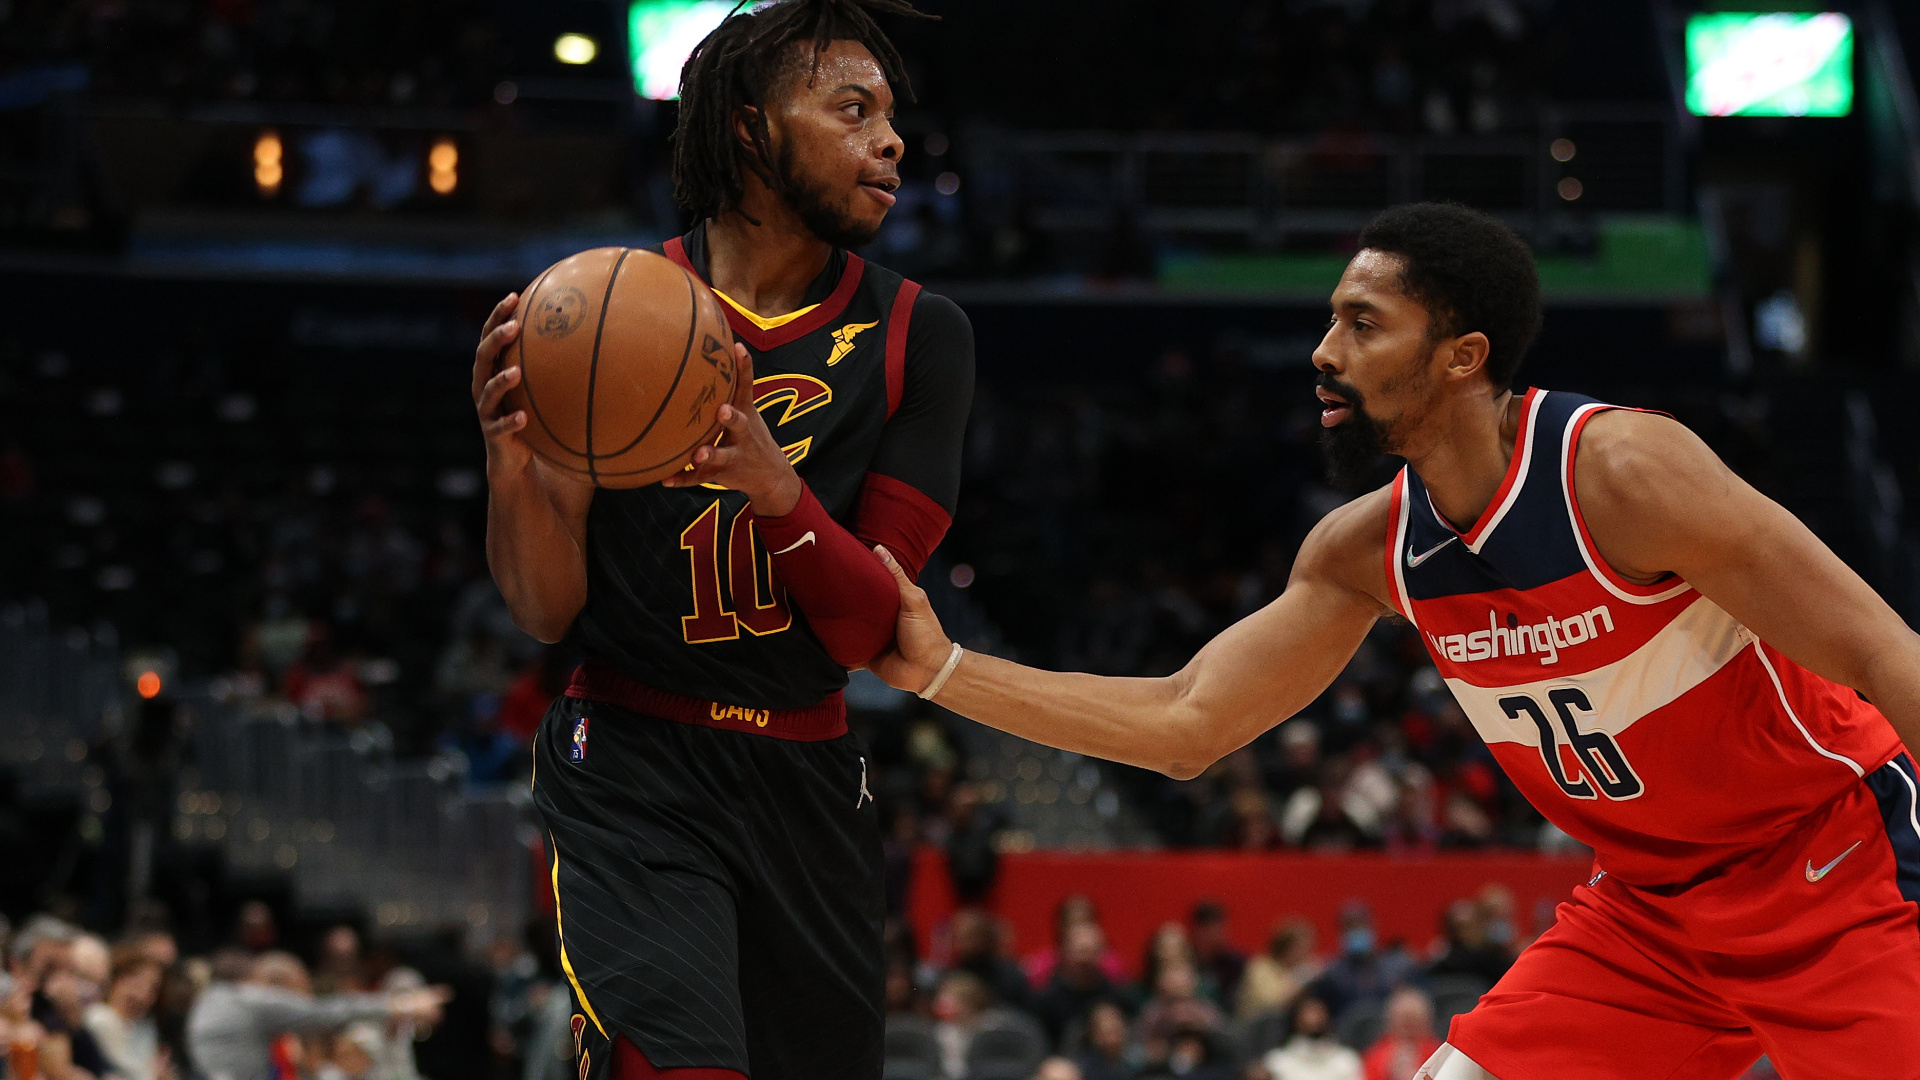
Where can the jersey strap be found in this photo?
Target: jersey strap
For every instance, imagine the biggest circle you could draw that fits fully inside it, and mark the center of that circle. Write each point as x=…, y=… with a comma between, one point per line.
x=897, y=319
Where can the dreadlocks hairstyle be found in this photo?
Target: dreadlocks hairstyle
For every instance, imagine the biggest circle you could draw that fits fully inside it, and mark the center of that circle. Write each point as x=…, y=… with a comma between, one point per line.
x=738, y=66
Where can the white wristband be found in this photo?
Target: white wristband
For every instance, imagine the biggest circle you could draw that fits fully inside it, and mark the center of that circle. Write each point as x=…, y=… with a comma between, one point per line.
x=946, y=672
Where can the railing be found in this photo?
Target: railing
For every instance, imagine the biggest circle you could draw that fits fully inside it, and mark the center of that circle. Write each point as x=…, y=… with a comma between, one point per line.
x=332, y=808
x=1600, y=158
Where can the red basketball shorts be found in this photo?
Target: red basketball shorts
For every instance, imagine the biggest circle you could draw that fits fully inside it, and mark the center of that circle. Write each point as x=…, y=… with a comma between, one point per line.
x=1806, y=950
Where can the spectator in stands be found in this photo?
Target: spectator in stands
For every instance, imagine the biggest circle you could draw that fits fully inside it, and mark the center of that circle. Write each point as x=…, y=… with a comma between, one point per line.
x=1078, y=981
x=235, y=1025
x=1312, y=1053
x=1074, y=909
x=1467, y=949
x=1169, y=945
x=1408, y=1041
x=959, y=1003
x=1109, y=1053
x=1058, y=1068
x=256, y=930
x=1194, y=1053
x=323, y=684
x=1363, y=974
x=976, y=951
x=72, y=984
x=1275, y=977
x=1221, y=965
x=123, y=1026
x=1175, y=1009
x=544, y=678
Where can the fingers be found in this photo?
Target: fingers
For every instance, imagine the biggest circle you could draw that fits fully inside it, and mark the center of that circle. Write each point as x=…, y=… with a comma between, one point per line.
x=502, y=426
x=486, y=356
x=506, y=307
x=710, y=463
x=494, y=391
x=908, y=589
x=742, y=375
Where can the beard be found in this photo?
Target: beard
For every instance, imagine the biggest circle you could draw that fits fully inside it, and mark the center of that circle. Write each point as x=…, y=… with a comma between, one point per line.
x=1354, y=446
x=813, y=202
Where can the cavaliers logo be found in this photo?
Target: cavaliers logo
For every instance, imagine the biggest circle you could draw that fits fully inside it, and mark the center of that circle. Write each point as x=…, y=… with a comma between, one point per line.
x=579, y=1030
x=559, y=312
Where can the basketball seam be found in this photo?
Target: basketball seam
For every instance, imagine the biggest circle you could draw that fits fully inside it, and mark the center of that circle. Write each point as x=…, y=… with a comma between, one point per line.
x=693, y=328
x=526, y=378
x=665, y=401
x=593, y=364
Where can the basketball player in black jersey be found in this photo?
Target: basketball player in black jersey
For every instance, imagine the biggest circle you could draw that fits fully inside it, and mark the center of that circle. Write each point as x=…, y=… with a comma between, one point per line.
x=713, y=848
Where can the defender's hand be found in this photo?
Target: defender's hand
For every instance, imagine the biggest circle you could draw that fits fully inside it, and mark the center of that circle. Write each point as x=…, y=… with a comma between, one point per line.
x=507, y=452
x=920, y=646
x=745, y=458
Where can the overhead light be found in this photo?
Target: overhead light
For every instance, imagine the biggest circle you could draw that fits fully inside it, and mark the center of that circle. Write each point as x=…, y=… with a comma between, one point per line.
x=443, y=167
x=575, y=49
x=268, y=167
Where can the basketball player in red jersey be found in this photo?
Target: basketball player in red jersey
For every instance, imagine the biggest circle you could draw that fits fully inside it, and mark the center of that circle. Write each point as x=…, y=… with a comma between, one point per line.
x=1662, y=659
x=715, y=852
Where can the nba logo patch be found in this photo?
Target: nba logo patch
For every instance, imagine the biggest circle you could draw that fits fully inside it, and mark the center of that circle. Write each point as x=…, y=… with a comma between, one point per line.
x=579, y=751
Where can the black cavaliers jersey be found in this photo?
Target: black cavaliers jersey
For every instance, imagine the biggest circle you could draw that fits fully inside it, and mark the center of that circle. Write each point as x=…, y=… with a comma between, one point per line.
x=870, y=375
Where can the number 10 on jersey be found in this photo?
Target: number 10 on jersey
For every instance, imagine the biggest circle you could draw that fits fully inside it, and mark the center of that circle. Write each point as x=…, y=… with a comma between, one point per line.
x=759, y=604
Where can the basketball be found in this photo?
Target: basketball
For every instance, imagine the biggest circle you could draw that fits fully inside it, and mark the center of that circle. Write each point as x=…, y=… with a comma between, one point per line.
x=625, y=360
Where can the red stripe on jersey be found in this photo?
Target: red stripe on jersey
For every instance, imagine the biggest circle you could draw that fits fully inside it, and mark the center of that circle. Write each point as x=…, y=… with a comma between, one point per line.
x=1573, y=622
x=1503, y=498
x=1396, y=540
x=763, y=340
x=897, y=319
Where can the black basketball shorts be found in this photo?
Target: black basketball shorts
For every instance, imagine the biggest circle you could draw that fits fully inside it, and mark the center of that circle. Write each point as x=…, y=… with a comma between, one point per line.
x=720, y=894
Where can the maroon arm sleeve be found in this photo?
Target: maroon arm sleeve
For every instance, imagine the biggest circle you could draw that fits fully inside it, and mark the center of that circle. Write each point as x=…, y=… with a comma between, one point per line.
x=831, y=573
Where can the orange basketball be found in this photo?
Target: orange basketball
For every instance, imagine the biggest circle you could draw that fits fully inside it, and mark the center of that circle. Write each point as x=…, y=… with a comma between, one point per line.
x=625, y=360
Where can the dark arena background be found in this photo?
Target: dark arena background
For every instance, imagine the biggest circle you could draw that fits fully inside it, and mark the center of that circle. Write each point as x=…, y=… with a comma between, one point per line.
x=258, y=691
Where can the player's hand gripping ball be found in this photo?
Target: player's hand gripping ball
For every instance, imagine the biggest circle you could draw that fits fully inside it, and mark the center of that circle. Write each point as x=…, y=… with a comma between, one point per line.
x=624, y=361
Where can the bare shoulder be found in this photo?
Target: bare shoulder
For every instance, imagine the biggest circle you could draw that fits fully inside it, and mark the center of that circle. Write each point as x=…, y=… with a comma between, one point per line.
x=1348, y=547
x=1650, y=490
x=1630, y=458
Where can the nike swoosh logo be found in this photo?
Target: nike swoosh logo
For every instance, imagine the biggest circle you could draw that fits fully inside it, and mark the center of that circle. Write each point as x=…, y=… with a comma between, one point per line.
x=1415, y=560
x=800, y=543
x=1816, y=875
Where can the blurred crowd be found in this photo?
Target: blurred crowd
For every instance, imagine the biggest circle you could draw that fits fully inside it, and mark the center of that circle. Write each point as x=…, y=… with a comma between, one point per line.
x=75, y=1007
x=1084, y=574
x=1194, y=1007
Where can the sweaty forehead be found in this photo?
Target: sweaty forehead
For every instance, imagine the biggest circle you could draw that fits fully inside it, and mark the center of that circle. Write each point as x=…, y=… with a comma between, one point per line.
x=842, y=63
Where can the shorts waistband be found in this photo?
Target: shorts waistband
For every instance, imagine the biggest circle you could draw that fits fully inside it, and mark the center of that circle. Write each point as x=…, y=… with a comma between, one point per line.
x=816, y=723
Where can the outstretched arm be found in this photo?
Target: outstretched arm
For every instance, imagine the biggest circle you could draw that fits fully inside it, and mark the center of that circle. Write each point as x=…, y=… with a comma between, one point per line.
x=1257, y=673
x=1657, y=500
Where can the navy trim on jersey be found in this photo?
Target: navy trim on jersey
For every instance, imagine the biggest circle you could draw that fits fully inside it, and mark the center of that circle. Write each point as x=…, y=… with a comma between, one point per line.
x=1532, y=545
x=1897, y=788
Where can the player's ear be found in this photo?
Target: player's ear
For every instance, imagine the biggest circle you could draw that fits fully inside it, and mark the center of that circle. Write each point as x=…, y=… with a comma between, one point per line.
x=1466, y=355
x=745, y=119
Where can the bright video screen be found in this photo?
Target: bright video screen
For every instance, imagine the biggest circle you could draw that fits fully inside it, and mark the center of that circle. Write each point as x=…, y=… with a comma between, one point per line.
x=1776, y=64
x=660, y=34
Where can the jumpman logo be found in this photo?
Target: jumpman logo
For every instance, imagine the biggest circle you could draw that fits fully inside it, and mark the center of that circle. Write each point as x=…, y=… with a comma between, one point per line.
x=864, y=793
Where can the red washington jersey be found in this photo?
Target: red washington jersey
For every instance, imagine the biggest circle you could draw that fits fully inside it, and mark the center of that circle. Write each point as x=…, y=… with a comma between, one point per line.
x=1642, y=719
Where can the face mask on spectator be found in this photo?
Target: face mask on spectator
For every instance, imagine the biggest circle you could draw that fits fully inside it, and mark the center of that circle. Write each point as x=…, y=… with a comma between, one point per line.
x=1357, y=941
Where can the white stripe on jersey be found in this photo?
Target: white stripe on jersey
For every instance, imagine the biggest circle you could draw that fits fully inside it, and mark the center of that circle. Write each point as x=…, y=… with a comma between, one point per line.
x=1591, y=557
x=1685, y=653
x=1795, y=717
